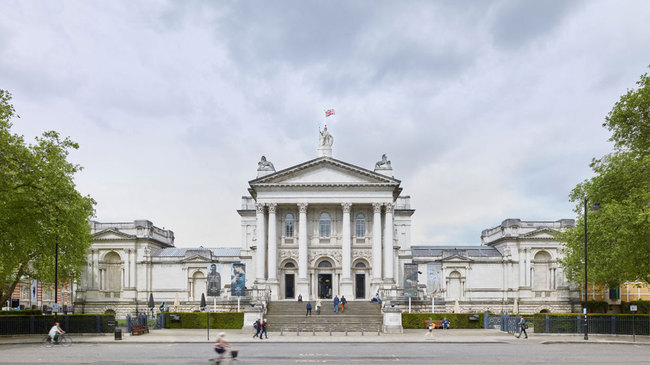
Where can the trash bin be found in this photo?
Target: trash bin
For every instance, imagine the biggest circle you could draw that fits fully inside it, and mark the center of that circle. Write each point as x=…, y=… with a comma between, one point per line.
x=118, y=334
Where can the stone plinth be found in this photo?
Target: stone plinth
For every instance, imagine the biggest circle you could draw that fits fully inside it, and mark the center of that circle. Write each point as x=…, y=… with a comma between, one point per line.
x=392, y=320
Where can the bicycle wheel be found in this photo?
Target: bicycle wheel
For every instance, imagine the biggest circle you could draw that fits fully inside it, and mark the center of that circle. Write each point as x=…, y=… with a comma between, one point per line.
x=65, y=341
x=45, y=342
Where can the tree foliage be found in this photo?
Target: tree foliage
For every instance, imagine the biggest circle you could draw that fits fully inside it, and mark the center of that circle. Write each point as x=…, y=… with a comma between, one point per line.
x=39, y=207
x=619, y=233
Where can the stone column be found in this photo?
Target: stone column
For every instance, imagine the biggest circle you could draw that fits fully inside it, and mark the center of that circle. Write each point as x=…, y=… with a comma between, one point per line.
x=376, y=247
x=388, y=244
x=96, y=280
x=274, y=284
x=346, y=250
x=261, y=245
x=302, y=284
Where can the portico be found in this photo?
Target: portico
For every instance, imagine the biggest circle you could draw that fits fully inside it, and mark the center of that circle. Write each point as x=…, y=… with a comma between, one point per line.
x=331, y=219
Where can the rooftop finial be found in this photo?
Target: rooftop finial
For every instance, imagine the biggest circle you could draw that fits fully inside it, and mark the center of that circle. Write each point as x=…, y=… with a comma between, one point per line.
x=325, y=143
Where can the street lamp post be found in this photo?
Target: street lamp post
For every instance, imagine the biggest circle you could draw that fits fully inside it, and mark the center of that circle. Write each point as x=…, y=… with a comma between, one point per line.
x=584, y=309
x=56, y=281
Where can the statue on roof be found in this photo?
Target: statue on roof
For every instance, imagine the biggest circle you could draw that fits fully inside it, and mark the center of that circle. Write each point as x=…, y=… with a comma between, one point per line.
x=265, y=165
x=326, y=139
x=384, y=164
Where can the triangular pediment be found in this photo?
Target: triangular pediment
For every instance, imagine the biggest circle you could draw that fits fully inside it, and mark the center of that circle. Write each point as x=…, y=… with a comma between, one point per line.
x=112, y=234
x=325, y=171
x=542, y=233
x=456, y=258
x=196, y=258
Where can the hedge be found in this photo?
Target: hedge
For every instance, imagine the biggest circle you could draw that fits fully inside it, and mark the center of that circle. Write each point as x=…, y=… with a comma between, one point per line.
x=458, y=320
x=223, y=320
x=25, y=312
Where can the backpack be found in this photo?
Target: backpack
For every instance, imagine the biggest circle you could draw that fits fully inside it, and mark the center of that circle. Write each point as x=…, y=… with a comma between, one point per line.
x=256, y=325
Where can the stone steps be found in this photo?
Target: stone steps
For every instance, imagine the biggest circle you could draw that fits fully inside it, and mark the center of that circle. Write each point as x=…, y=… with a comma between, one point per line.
x=290, y=316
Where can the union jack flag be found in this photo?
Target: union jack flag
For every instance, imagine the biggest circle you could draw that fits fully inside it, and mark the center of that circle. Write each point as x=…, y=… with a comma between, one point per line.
x=329, y=112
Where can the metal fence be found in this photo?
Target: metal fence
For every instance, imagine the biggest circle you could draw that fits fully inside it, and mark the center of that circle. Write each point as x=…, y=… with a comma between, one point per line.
x=613, y=325
x=23, y=325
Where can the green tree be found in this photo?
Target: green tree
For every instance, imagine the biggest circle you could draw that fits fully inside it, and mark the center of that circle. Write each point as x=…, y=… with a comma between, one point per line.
x=39, y=207
x=619, y=233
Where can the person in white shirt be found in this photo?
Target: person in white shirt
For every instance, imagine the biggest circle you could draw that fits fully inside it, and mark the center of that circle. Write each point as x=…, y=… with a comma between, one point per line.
x=55, y=332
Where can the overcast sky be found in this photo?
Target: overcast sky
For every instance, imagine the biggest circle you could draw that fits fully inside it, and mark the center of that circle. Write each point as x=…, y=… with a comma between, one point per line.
x=487, y=109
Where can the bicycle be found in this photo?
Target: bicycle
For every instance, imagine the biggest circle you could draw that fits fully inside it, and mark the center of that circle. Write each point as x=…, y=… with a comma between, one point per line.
x=231, y=358
x=64, y=341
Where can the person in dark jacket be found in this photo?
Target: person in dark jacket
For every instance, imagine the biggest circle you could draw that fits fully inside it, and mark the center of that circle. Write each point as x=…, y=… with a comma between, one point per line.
x=343, y=303
x=522, y=326
x=336, y=303
x=308, y=309
x=258, y=328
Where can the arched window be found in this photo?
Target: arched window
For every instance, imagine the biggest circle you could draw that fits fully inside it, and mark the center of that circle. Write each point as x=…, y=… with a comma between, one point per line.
x=325, y=264
x=361, y=225
x=541, y=271
x=325, y=225
x=113, y=271
x=289, y=265
x=360, y=265
x=288, y=225
x=453, y=289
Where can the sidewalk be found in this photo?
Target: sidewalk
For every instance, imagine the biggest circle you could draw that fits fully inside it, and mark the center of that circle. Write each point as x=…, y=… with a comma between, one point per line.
x=486, y=336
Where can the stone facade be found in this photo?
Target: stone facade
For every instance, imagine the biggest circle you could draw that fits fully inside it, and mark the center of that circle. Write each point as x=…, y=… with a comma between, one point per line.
x=323, y=228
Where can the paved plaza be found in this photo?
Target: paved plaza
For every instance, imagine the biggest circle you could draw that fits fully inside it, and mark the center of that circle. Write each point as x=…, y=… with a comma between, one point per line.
x=412, y=347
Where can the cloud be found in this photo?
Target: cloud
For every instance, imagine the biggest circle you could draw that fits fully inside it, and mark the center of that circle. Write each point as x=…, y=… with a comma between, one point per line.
x=488, y=110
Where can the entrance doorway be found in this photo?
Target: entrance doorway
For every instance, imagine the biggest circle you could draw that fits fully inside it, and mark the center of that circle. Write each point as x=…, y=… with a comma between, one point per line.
x=325, y=286
x=289, y=291
x=360, y=286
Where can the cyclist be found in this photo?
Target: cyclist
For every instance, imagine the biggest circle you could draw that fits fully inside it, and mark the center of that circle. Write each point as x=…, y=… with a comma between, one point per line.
x=55, y=332
x=220, y=346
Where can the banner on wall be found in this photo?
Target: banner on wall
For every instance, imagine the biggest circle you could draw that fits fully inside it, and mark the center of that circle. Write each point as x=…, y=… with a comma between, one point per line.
x=34, y=291
x=411, y=280
x=238, y=280
x=434, y=277
x=214, y=280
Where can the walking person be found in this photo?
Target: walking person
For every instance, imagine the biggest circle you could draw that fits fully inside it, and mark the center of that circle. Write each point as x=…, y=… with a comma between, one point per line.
x=343, y=303
x=258, y=327
x=336, y=304
x=264, y=324
x=522, y=326
x=319, y=303
x=308, y=309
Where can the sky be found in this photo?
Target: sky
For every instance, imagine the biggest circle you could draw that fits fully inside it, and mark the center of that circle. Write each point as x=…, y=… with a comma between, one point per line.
x=488, y=110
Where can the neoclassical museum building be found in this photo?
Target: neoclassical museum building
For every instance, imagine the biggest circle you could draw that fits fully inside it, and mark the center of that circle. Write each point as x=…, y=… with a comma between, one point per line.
x=322, y=228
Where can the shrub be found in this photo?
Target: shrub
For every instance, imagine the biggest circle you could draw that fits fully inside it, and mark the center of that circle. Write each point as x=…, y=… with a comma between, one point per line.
x=25, y=312
x=458, y=320
x=222, y=320
x=597, y=306
x=643, y=306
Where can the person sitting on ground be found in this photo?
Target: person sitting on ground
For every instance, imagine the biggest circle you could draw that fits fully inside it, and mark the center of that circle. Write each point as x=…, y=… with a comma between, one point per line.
x=220, y=346
x=299, y=298
x=376, y=299
x=55, y=332
x=445, y=323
